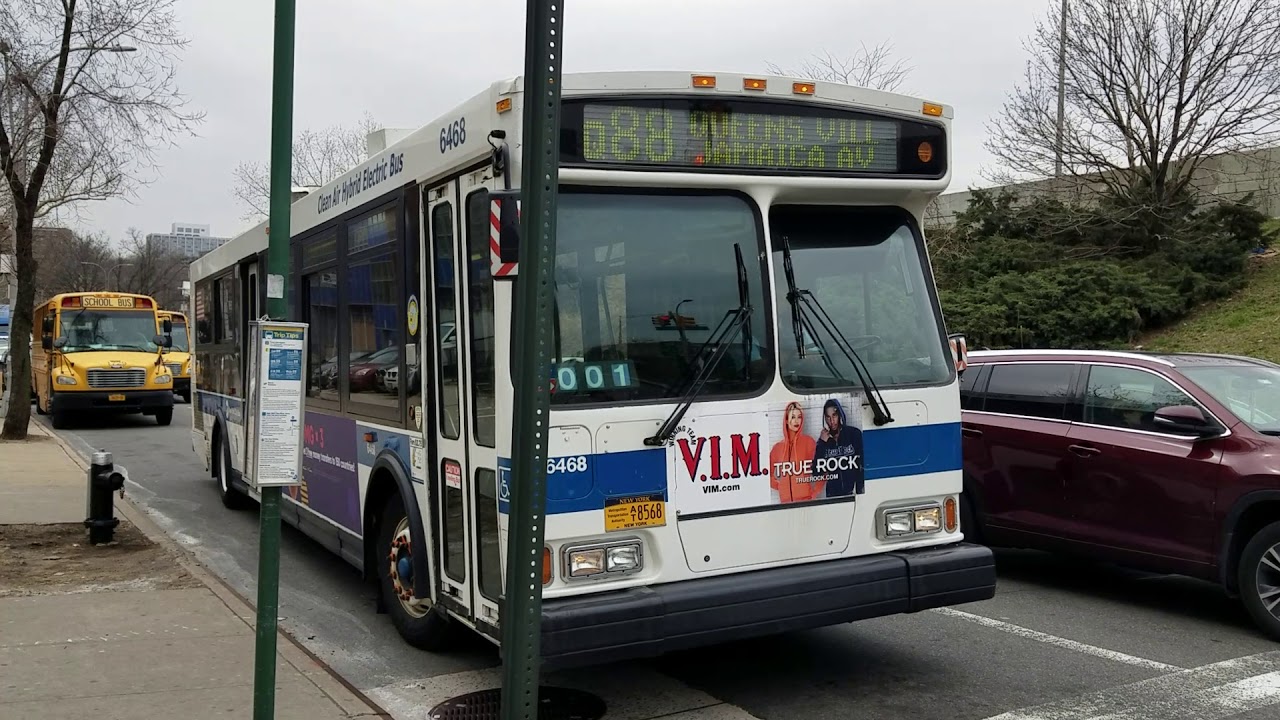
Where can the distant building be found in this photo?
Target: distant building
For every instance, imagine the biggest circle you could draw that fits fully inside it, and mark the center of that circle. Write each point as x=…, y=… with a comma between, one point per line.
x=185, y=239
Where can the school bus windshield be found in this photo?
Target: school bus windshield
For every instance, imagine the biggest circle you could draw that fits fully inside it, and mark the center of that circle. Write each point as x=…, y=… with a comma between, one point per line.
x=90, y=329
x=180, y=336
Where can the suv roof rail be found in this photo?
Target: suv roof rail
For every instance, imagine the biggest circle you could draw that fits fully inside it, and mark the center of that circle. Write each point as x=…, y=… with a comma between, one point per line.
x=979, y=354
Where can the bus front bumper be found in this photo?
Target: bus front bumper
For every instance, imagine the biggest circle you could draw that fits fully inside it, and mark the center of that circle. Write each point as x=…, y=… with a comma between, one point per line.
x=134, y=400
x=649, y=621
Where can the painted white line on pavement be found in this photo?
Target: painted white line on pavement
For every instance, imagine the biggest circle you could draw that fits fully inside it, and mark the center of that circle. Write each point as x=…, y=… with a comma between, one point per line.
x=1209, y=692
x=631, y=692
x=1055, y=640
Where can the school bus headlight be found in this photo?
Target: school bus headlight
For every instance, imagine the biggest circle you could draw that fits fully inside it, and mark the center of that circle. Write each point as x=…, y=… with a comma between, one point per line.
x=898, y=523
x=585, y=563
x=928, y=520
x=163, y=379
x=66, y=380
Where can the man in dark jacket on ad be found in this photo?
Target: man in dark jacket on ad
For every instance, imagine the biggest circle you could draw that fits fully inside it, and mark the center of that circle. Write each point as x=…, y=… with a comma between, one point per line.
x=838, y=456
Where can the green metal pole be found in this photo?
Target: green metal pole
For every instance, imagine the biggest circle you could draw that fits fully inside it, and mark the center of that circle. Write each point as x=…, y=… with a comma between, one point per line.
x=264, y=660
x=540, y=157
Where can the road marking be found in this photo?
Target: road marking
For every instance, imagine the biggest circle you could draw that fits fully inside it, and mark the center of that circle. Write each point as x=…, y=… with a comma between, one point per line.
x=1056, y=641
x=1209, y=692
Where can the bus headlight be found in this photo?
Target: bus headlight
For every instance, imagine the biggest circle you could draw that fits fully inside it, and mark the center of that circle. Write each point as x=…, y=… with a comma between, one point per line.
x=901, y=522
x=606, y=559
x=66, y=380
x=163, y=379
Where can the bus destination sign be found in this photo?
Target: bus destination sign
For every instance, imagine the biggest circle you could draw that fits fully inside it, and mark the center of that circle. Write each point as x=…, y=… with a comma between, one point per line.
x=747, y=136
x=93, y=301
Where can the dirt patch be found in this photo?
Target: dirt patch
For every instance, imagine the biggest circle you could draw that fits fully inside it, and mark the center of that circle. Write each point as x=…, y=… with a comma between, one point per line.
x=57, y=559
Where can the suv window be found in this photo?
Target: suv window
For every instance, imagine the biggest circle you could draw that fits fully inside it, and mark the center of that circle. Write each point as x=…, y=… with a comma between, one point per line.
x=1030, y=389
x=969, y=400
x=1128, y=398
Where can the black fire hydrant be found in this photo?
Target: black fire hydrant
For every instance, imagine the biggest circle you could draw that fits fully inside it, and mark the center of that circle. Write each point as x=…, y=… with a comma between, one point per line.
x=104, y=480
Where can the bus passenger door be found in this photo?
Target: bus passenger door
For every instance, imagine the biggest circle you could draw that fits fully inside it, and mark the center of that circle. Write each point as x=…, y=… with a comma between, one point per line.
x=476, y=350
x=450, y=434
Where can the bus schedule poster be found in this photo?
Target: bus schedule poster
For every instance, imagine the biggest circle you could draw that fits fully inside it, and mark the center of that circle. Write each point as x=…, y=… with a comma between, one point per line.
x=277, y=391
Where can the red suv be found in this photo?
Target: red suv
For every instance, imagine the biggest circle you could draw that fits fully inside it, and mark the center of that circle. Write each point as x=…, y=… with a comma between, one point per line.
x=1168, y=463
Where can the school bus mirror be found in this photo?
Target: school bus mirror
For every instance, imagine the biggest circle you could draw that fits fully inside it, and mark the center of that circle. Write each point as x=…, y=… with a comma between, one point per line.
x=167, y=326
x=60, y=342
x=46, y=326
x=162, y=341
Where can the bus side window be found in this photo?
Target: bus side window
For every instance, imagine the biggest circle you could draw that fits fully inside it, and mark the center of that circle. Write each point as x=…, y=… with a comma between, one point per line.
x=480, y=317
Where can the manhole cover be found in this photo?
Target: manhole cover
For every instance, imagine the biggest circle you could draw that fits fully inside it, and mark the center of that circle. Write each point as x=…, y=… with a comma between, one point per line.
x=554, y=703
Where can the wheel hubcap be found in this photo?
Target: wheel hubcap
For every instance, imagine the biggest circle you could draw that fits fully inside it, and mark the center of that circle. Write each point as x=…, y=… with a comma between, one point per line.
x=1268, y=580
x=400, y=571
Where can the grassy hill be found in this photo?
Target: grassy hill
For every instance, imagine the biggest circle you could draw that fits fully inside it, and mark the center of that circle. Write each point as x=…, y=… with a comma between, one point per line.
x=1247, y=323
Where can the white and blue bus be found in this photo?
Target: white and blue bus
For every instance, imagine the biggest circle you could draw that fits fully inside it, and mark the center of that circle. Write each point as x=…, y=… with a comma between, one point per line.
x=755, y=409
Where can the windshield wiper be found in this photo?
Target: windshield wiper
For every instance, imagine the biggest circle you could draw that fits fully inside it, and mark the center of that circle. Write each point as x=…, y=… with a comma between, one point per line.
x=803, y=300
x=721, y=339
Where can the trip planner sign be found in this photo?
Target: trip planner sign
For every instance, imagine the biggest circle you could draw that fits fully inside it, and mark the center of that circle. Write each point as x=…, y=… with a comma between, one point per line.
x=277, y=390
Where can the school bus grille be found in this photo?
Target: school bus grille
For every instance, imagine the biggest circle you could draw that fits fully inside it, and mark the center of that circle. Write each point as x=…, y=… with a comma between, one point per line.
x=174, y=368
x=132, y=377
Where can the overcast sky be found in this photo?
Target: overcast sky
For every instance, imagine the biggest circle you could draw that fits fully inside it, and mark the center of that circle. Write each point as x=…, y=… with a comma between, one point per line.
x=408, y=61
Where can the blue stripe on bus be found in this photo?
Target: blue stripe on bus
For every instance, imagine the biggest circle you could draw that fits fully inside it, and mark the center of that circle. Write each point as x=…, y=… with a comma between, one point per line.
x=889, y=453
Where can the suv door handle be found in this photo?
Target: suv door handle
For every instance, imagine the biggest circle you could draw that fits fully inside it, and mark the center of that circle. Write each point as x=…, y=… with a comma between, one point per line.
x=970, y=432
x=1084, y=450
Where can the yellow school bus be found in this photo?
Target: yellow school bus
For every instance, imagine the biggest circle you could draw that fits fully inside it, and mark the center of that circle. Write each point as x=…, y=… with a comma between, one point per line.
x=178, y=359
x=99, y=352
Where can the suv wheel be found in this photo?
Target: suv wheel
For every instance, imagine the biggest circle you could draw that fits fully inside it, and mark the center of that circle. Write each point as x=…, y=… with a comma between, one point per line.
x=1259, y=579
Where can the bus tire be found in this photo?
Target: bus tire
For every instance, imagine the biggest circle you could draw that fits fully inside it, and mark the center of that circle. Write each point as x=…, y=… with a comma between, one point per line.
x=36, y=396
x=420, y=623
x=164, y=416
x=231, y=497
x=186, y=397
x=1252, y=572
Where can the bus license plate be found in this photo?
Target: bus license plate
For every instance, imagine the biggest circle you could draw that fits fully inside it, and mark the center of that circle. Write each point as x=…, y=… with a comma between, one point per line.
x=115, y=398
x=637, y=511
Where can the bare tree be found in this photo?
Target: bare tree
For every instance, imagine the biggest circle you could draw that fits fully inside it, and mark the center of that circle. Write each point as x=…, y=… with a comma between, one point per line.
x=70, y=262
x=1151, y=90
x=873, y=68
x=319, y=156
x=93, y=87
x=149, y=269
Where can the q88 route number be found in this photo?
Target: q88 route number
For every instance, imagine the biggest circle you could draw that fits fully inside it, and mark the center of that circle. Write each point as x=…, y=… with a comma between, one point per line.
x=453, y=135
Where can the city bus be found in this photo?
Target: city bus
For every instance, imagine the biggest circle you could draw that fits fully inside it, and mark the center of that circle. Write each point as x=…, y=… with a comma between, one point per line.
x=755, y=415
x=178, y=359
x=101, y=352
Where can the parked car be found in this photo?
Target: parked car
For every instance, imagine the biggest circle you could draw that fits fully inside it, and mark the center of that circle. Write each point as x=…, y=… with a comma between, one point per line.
x=1162, y=462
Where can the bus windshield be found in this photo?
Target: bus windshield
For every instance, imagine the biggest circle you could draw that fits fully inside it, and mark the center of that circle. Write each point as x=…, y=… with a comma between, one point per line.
x=641, y=282
x=180, y=337
x=865, y=268
x=93, y=329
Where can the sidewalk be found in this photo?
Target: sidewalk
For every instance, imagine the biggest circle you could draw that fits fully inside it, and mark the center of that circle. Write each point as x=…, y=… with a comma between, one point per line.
x=131, y=631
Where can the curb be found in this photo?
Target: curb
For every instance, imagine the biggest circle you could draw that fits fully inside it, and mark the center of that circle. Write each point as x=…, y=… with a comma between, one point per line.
x=294, y=652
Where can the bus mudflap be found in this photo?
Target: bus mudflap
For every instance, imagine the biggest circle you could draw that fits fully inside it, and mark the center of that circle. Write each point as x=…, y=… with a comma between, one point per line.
x=649, y=621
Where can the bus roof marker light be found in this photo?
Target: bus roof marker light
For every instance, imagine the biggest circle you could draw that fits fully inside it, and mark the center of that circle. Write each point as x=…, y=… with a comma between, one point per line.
x=704, y=81
x=754, y=84
x=932, y=109
x=504, y=105
x=802, y=88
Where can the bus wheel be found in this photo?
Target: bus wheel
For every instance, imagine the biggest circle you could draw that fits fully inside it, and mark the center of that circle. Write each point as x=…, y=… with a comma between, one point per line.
x=420, y=623
x=36, y=396
x=186, y=397
x=232, y=499
x=165, y=416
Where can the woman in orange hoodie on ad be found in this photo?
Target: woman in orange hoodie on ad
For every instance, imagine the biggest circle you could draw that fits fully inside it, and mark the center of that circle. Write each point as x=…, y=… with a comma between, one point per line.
x=791, y=460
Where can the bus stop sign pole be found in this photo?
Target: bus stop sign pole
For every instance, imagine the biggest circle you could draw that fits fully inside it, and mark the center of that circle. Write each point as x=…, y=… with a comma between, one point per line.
x=264, y=657
x=540, y=157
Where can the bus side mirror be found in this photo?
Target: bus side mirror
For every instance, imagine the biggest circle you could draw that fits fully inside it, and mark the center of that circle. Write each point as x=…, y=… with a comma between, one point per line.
x=46, y=325
x=60, y=342
x=959, y=351
x=167, y=326
x=508, y=202
x=162, y=341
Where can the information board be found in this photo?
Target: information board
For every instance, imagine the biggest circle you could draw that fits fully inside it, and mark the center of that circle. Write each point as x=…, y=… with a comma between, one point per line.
x=277, y=391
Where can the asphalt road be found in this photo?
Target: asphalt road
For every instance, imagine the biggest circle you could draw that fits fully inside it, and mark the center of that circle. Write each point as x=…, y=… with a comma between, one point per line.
x=1062, y=640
